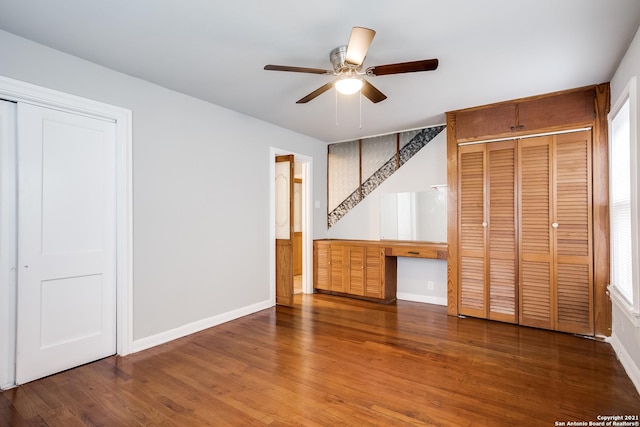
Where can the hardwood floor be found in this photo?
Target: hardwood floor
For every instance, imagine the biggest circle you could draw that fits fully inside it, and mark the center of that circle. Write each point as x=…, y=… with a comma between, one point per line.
x=332, y=361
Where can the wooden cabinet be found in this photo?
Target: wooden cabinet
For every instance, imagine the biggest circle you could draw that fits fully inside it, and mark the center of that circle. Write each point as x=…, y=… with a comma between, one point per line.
x=364, y=268
x=481, y=122
x=574, y=108
x=360, y=269
x=543, y=113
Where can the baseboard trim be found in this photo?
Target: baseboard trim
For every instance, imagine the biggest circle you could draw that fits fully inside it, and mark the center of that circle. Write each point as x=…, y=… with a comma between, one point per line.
x=7, y=386
x=633, y=370
x=200, y=325
x=422, y=298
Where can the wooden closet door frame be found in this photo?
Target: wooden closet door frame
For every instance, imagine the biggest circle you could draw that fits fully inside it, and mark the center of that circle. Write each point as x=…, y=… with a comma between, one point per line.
x=600, y=194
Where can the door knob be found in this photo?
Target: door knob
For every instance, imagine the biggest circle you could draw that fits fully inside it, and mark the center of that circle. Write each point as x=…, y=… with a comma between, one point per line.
x=554, y=225
x=484, y=224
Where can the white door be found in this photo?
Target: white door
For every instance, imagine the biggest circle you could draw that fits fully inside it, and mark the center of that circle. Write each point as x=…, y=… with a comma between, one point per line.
x=66, y=241
x=8, y=243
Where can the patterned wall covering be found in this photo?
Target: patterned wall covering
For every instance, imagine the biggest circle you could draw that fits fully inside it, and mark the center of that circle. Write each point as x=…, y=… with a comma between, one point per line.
x=343, y=167
x=378, y=163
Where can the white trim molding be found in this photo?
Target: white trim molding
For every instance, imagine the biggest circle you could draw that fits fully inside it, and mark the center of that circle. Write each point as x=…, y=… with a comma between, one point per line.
x=630, y=94
x=422, y=298
x=624, y=306
x=629, y=365
x=18, y=91
x=199, y=325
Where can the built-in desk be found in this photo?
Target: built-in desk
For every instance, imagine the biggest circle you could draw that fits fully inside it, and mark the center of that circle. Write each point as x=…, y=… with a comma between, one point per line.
x=365, y=269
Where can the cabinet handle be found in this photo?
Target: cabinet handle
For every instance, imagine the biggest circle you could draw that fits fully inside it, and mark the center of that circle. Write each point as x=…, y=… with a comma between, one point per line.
x=413, y=253
x=484, y=224
x=554, y=225
x=513, y=128
x=521, y=127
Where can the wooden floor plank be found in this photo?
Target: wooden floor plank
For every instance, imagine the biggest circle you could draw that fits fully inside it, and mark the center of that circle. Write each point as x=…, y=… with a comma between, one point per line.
x=334, y=361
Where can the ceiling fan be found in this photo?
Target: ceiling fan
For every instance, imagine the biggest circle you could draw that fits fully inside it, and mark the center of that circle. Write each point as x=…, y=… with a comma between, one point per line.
x=347, y=67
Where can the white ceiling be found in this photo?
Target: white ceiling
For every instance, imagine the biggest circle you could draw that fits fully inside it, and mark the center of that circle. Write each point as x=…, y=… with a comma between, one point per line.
x=489, y=50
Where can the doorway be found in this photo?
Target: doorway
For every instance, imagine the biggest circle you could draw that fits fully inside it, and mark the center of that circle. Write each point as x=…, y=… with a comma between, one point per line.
x=303, y=171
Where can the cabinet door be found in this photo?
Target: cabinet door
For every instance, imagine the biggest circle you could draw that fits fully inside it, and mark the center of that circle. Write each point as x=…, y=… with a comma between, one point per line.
x=339, y=259
x=567, y=109
x=485, y=122
x=501, y=234
x=321, y=270
x=374, y=272
x=356, y=270
x=535, y=236
x=573, y=234
x=472, y=226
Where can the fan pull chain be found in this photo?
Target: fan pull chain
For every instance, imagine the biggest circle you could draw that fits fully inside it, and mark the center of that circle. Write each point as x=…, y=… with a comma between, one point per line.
x=360, y=109
x=336, y=91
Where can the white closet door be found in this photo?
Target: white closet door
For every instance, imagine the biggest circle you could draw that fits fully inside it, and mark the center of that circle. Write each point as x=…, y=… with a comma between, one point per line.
x=8, y=243
x=66, y=241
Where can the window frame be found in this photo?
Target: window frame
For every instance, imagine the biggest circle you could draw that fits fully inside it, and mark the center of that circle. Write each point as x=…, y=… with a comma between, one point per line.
x=632, y=309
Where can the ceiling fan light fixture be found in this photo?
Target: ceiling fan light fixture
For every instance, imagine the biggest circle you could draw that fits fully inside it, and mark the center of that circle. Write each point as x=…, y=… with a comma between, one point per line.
x=348, y=85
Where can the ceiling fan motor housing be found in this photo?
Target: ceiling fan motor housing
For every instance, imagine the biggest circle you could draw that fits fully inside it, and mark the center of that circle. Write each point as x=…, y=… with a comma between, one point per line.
x=338, y=60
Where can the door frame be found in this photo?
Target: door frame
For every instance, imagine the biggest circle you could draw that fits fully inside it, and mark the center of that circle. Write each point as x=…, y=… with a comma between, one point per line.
x=18, y=91
x=307, y=220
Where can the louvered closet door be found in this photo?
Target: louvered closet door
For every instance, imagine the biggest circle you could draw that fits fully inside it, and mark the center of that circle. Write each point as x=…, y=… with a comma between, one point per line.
x=573, y=233
x=472, y=226
x=535, y=236
x=501, y=234
x=488, y=252
x=556, y=267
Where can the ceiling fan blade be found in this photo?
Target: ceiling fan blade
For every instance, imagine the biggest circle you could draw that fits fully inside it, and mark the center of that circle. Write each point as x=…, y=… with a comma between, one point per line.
x=371, y=92
x=358, y=46
x=297, y=69
x=315, y=93
x=403, y=67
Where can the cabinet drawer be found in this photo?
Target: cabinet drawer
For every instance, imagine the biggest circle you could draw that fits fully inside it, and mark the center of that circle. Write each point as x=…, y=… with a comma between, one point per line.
x=418, y=252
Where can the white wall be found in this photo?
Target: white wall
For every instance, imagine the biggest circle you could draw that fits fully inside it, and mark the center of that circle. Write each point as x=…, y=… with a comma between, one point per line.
x=415, y=276
x=200, y=190
x=625, y=331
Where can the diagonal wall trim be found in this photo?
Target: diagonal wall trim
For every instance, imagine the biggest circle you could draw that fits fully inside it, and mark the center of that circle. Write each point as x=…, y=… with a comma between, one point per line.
x=421, y=139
